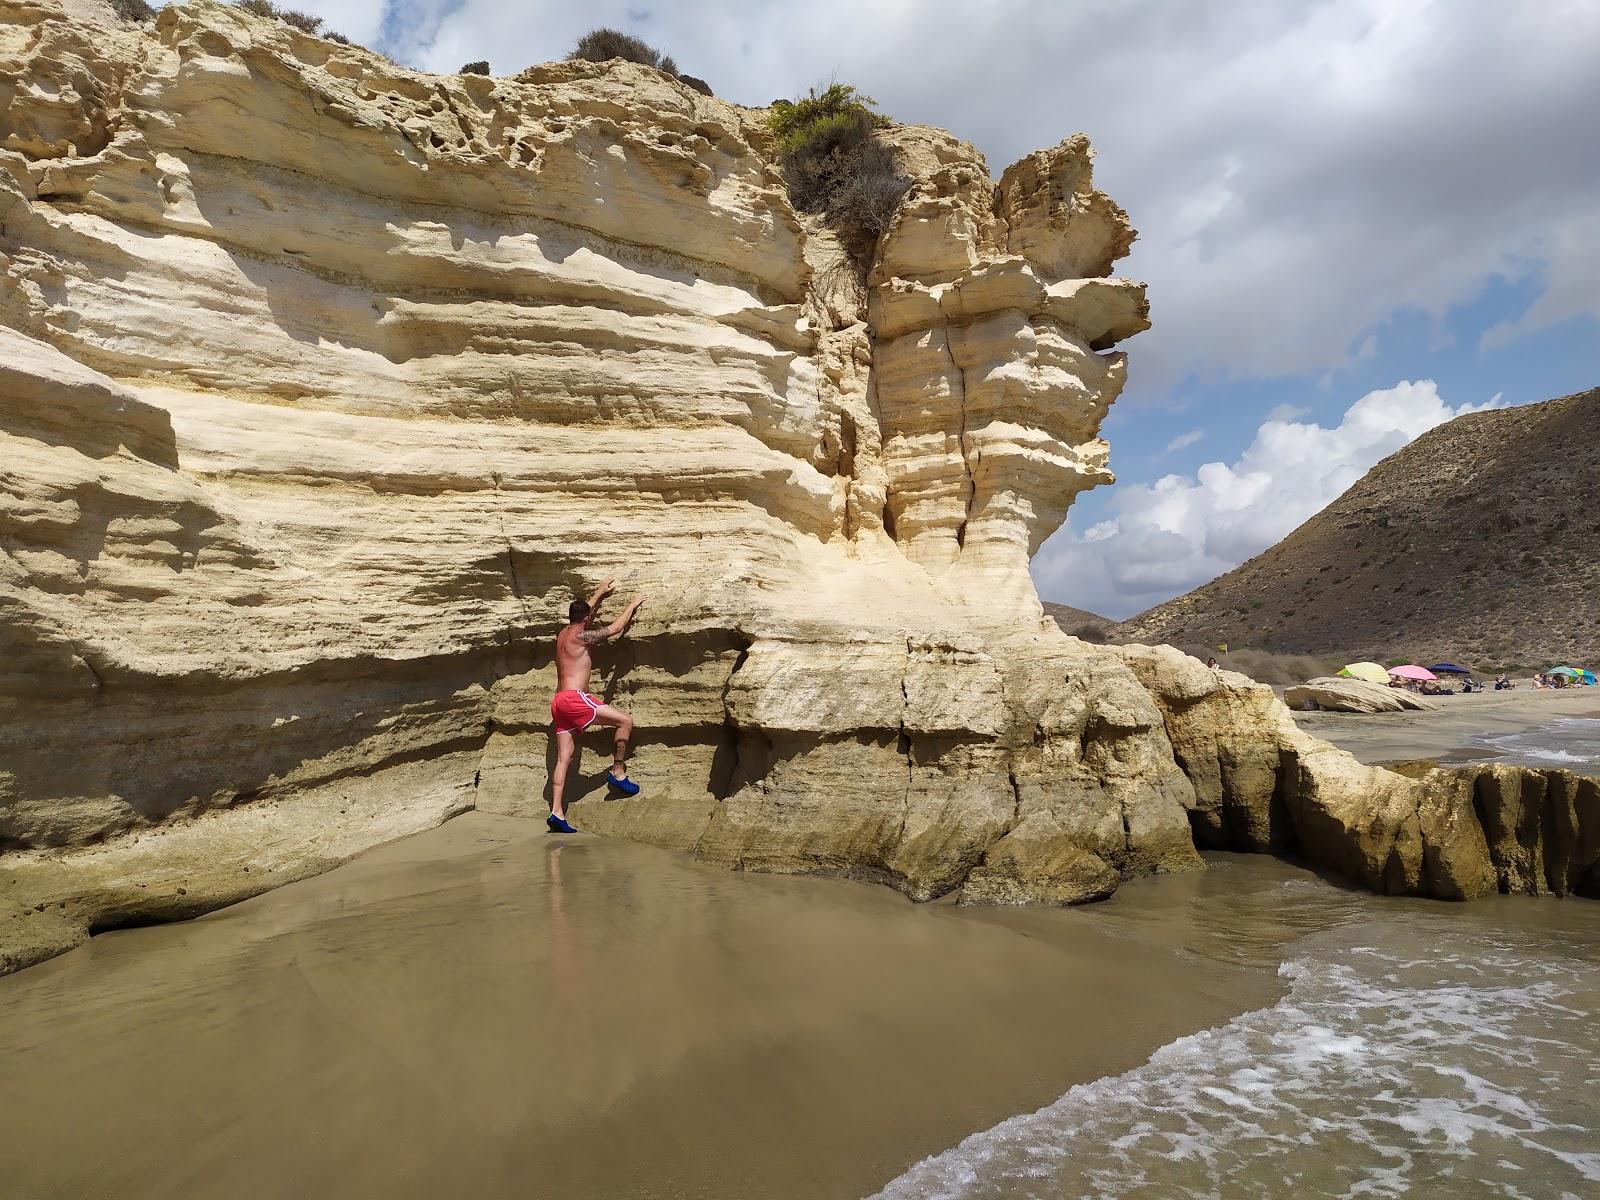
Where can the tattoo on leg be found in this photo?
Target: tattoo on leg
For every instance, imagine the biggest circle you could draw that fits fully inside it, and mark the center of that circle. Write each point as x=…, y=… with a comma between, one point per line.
x=622, y=749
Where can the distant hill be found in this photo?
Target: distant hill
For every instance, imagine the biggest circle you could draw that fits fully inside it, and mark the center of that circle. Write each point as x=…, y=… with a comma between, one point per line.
x=1479, y=542
x=1079, y=622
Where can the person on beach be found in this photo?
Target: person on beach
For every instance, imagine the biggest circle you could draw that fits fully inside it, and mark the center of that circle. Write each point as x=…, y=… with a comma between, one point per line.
x=573, y=709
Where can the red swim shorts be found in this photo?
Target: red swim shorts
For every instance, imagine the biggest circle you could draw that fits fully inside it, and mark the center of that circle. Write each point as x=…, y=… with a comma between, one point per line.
x=573, y=711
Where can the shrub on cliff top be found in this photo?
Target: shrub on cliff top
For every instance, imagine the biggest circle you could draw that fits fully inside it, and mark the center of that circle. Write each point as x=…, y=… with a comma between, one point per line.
x=602, y=45
x=835, y=163
x=476, y=67
x=820, y=122
x=132, y=10
x=304, y=22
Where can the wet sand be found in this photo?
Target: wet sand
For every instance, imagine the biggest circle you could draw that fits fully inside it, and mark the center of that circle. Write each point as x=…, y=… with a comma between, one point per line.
x=1445, y=735
x=485, y=1010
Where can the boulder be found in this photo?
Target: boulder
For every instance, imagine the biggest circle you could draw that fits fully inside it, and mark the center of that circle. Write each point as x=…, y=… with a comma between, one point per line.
x=1356, y=696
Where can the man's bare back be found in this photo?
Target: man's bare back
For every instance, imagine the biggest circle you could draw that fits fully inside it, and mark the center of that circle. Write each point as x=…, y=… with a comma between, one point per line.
x=574, y=663
x=573, y=709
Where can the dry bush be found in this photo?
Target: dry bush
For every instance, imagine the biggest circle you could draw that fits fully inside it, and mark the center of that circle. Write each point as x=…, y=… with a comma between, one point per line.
x=136, y=11
x=1264, y=666
x=478, y=67
x=304, y=22
x=602, y=45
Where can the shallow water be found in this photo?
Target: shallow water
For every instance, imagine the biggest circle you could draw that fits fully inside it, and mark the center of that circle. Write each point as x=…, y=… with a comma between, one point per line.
x=1570, y=742
x=486, y=1011
x=1422, y=1050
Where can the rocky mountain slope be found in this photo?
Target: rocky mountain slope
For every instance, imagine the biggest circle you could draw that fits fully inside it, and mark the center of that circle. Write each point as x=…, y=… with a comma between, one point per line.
x=327, y=385
x=1079, y=622
x=1478, y=543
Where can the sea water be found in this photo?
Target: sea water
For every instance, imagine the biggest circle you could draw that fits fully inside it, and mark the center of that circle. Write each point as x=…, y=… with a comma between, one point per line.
x=1419, y=1051
x=1571, y=742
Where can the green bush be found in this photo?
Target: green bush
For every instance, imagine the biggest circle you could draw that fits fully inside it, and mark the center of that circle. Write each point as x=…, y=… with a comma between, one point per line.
x=834, y=162
x=821, y=122
x=132, y=10
x=602, y=45
x=479, y=67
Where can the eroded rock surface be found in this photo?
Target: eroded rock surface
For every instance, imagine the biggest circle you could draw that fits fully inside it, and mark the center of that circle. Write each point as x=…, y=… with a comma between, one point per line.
x=1356, y=696
x=327, y=384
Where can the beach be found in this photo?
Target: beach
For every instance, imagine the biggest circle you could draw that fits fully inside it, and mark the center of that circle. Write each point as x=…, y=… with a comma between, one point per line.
x=1471, y=728
x=486, y=1010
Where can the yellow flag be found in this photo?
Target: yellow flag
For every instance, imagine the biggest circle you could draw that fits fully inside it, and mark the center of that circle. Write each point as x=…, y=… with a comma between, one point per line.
x=1223, y=647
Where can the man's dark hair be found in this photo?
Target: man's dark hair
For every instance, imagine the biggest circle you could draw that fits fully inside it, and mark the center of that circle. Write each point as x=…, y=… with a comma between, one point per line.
x=577, y=611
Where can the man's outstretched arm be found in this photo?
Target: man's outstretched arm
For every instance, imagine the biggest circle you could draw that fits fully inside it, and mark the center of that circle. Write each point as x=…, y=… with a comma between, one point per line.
x=590, y=636
x=599, y=594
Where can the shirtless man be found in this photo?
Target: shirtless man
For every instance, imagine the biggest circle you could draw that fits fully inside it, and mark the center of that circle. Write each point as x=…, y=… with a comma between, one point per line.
x=573, y=709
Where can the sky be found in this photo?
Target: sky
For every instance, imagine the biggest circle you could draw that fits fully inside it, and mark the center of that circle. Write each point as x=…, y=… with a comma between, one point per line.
x=1358, y=218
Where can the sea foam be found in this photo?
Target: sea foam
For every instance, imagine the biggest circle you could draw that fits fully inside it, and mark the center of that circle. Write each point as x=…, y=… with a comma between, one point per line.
x=1572, y=742
x=1429, y=1061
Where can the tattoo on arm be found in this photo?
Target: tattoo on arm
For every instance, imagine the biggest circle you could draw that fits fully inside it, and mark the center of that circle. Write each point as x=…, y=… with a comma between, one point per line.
x=591, y=637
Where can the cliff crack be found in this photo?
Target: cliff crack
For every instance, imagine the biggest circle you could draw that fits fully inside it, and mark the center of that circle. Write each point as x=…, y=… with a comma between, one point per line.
x=99, y=679
x=904, y=746
x=971, y=485
x=511, y=561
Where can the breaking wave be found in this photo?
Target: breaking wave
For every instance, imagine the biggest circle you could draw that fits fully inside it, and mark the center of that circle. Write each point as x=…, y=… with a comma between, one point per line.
x=1572, y=742
x=1428, y=1060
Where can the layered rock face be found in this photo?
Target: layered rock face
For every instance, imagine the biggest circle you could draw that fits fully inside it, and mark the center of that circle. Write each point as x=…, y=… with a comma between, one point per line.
x=328, y=384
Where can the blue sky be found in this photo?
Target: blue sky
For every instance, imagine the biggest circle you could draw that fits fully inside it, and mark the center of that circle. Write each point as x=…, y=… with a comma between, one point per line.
x=1357, y=217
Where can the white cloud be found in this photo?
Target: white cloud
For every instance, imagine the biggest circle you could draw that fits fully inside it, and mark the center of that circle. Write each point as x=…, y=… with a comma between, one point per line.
x=1571, y=253
x=1185, y=439
x=1181, y=531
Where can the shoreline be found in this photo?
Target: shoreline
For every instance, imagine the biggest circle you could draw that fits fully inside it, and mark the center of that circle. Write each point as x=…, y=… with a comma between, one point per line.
x=714, y=1033
x=1379, y=739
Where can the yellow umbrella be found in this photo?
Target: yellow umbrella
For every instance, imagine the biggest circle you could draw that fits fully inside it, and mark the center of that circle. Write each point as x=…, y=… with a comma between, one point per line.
x=1369, y=671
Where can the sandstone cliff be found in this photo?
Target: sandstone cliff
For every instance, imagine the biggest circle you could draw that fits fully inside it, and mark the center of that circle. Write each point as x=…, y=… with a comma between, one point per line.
x=1478, y=543
x=328, y=383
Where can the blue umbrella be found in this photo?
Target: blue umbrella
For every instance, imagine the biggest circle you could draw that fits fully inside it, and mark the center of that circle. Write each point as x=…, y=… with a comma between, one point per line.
x=1448, y=669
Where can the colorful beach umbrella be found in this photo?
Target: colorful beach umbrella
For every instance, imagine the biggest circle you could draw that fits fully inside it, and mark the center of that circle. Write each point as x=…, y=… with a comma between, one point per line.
x=1448, y=669
x=1370, y=671
x=1567, y=671
x=1412, y=671
x=1587, y=677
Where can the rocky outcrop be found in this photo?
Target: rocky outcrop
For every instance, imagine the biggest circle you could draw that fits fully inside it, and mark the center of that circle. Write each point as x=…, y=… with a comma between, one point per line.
x=328, y=384
x=1355, y=696
x=1456, y=833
